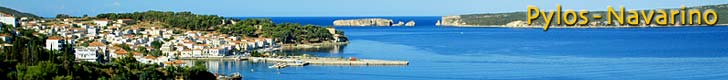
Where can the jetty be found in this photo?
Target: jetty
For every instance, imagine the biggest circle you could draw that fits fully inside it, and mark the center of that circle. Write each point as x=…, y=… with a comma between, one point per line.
x=329, y=61
x=215, y=58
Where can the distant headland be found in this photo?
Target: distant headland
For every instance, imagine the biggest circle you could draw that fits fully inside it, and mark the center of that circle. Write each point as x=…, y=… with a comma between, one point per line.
x=519, y=19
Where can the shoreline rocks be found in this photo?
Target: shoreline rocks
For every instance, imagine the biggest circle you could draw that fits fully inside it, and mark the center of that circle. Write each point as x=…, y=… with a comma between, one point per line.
x=372, y=22
x=364, y=22
x=410, y=23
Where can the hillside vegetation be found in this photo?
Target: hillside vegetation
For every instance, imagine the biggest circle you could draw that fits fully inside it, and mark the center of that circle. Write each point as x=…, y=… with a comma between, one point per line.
x=256, y=27
x=17, y=13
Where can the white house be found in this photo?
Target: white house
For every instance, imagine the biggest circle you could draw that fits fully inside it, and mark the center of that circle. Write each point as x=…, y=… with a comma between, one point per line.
x=197, y=53
x=8, y=19
x=86, y=54
x=101, y=22
x=54, y=43
x=216, y=52
x=148, y=60
x=92, y=31
x=260, y=43
x=186, y=53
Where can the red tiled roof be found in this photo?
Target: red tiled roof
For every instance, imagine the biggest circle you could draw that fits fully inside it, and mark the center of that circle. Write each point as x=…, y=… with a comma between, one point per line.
x=96, y=43
x=6, y=15
x=120, y=52
x=6, y=34
x=179, y=62
x=55, y=38
x=150, y=57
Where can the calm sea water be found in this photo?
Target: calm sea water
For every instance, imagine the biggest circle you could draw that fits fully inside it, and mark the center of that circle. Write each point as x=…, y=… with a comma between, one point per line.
x=437, y=53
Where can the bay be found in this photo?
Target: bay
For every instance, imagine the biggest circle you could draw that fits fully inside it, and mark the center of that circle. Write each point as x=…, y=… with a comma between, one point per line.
x=442, y=53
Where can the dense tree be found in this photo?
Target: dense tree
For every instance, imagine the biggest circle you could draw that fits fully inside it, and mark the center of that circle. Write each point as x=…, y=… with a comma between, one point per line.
x=157, y=44
x=285, y=32
x=185, y=20
x=62, y=16
x=252, y=27
x=124, y=46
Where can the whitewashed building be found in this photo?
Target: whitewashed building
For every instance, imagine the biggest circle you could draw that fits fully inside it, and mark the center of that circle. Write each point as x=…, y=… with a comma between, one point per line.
x=86, y=54
x=8, y=19
x=54, y=43
x=101, y=22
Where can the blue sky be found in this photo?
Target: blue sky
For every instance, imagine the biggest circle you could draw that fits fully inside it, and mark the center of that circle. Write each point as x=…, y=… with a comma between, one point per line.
x=271, y=8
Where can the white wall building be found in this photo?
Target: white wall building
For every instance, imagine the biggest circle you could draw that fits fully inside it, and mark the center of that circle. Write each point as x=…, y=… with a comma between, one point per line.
x=54, y=43
x=86, y=54
x=101, y=22
x=8, y=19
x=92, y=31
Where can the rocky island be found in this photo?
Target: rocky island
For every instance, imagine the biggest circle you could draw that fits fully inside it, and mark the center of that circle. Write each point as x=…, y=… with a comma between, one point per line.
x=371, y=22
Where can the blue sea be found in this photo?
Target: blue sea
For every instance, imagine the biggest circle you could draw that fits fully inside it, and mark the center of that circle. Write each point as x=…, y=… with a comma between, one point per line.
x=454, y=53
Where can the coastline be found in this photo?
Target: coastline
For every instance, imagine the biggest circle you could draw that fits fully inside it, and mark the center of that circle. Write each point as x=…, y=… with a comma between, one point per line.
x=312, y=45
x=307, y=59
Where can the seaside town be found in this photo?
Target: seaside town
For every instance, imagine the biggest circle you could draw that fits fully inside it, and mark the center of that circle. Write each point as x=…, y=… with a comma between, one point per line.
x=110, y=43
x=103, y=39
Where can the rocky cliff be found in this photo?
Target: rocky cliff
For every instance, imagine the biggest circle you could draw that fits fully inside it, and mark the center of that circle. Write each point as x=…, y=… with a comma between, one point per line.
x=451, y=21
x=410, y=23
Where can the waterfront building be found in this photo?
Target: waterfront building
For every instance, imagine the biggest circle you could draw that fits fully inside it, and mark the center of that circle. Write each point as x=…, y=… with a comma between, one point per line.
x=337, y=37
x=186, y=53
x=197, y=53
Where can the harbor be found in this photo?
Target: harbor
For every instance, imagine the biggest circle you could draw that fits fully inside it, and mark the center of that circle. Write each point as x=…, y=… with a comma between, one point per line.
x=329, y=61
x=282, y=62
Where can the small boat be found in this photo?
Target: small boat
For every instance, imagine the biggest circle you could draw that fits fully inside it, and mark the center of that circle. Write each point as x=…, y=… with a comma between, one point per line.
x=236, y=76
x=278, y=65
x=298, y=63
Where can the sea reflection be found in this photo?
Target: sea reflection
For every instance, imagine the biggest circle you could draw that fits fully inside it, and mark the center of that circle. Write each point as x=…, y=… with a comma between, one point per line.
x=330, y=48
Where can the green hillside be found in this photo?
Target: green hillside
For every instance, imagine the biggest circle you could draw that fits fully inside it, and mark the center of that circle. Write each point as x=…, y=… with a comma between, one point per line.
x=16, y=13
